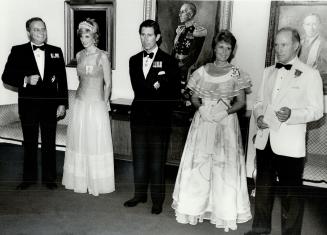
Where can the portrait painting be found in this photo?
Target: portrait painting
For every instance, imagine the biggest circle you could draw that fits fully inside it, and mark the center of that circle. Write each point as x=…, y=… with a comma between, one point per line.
x=308, y=17
x=213, y=15
x=103, y=14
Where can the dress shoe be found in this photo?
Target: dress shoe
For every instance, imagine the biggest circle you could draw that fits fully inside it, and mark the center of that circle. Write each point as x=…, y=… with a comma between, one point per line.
x=51, y=185
x=156, y=209
x=24, y=185
x=134, y=201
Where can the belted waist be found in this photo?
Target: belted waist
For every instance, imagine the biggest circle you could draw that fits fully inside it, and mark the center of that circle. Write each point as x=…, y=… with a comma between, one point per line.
x=180, y=56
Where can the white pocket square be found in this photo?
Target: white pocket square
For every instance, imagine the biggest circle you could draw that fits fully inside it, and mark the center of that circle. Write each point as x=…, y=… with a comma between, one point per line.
x=161, y=73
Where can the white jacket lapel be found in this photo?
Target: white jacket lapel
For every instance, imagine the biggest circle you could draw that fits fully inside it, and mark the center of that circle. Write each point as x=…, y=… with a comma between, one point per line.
x=287, y=83
x=271, y=80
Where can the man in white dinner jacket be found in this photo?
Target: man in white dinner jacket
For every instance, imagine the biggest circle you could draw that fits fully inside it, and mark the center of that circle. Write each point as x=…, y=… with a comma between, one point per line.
x=290, y=96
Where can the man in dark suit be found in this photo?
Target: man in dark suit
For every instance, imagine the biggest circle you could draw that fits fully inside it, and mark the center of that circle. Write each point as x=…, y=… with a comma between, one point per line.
x=38, y=71
x=156, y=83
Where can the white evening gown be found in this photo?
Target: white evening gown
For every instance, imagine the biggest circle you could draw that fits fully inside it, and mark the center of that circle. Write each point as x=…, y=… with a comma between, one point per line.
x=211, y=181
x=89, y=164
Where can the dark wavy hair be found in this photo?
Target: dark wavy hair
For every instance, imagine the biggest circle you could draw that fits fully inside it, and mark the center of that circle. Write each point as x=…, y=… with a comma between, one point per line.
x=225, y=36
x=151, y=24
x=30, y=21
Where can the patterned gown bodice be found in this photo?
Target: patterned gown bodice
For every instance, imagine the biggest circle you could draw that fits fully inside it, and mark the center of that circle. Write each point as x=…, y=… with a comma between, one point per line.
x=90, y=74
x=212, y=88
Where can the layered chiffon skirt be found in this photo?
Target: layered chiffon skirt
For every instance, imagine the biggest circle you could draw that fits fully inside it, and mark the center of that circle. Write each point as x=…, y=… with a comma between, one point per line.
x=89, y=164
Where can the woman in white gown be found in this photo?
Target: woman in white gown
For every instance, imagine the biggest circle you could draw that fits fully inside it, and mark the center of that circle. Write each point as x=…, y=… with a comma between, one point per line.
x=89, y=162
x=211, y=181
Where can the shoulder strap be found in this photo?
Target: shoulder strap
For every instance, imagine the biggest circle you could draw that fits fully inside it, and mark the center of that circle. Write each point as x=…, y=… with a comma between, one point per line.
x=98, y=58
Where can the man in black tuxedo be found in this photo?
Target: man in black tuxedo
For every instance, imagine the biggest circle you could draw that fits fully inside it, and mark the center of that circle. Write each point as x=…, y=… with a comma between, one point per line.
x=38, y=71
x=156, y=83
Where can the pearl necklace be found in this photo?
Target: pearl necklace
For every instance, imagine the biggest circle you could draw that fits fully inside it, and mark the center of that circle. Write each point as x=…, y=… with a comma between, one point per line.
x=220, y=66
x=87, y=53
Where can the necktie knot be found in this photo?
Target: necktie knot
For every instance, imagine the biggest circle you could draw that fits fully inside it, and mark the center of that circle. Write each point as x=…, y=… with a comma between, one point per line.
x=145, y=54
x=286, y=66
x=38, y=47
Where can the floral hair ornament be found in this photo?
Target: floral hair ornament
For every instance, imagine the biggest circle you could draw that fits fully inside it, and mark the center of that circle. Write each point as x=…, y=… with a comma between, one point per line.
x=87, y=25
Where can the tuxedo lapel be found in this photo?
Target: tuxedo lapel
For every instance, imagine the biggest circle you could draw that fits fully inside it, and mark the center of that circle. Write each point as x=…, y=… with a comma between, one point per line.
x=152, y=72
x=47, y=62
x=30, y=58
x=139, y=65
x=271, y=80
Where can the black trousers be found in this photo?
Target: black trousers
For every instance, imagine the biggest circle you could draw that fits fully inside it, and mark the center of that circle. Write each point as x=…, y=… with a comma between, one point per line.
x=289, y=172
x=149, y=147
x=33, y=118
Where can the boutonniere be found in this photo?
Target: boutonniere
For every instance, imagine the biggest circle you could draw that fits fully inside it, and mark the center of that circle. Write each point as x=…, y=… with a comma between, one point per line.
x=54, y=55
x=157, y=64
x=53, y=78
x=156, y=85
x=297, y=73
x=236, y=72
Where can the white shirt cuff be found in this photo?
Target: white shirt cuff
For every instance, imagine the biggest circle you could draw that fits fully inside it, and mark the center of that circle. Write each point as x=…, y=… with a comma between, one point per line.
x=25, y=83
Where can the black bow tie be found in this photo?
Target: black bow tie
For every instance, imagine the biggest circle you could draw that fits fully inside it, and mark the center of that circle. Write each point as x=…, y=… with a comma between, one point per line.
x=145, y=54
x=286, y=66
x=38, y=47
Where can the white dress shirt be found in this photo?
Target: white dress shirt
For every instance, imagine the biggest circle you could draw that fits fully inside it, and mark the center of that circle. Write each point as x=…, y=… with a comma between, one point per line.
x=282, y=75
x=39, y=57
x=147, y=62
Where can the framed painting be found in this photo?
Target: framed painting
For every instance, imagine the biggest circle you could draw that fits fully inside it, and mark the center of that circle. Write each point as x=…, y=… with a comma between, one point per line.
x=103, y=14
x=212, y=15
x=308, y=17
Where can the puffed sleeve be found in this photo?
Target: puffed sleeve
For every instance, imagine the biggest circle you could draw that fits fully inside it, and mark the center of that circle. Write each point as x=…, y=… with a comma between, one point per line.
x=242, y=81
x=194, y=82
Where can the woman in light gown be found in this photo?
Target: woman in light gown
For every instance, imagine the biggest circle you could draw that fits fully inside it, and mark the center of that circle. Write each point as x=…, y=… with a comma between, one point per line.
x=211, y=181
x=89, y=162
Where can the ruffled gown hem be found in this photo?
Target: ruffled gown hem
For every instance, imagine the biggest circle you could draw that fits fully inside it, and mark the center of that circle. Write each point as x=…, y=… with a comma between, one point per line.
x=209, y=215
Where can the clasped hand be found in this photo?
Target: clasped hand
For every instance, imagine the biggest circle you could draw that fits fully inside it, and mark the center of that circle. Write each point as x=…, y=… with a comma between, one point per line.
x=283, y=114
x=61, y=111
x=32, y=79
x=212, y=114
